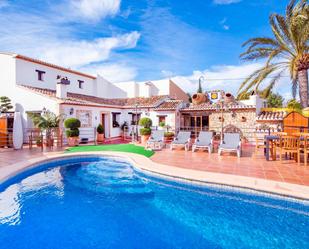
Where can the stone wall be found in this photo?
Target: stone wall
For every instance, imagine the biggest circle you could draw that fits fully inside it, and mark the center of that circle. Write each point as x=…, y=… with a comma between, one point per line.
x=244, y=120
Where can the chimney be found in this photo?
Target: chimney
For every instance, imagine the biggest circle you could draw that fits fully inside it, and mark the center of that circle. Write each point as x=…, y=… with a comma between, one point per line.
x=61, y=87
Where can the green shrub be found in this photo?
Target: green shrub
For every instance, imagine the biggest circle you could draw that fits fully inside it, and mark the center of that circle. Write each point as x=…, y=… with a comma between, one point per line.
x=72, y=132
x=72, y=123
x=145, y=122
x=162, y=124
x=100, y=129
x=145, y=131
x=169, y=134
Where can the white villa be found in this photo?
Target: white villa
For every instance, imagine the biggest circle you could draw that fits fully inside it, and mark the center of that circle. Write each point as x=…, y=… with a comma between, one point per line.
x=34, y=85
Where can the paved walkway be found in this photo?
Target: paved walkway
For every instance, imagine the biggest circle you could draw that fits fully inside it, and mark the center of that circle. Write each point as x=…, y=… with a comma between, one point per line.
x=248, y=165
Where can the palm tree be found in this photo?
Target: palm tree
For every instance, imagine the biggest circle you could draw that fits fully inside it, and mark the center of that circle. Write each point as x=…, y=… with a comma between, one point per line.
x=46, y=121
x=287, y=50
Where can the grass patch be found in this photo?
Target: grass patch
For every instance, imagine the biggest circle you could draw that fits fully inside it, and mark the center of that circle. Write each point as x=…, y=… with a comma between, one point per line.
x=113, y=147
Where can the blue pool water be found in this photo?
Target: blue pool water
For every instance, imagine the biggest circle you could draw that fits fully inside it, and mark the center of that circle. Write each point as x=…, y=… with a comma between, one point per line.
x=95, y=202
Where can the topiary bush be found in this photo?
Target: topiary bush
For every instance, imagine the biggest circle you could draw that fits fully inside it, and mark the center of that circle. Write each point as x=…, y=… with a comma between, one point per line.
x=100, y=129
x=72, y=124
x=145, y=131
x=162, y=124
x=72, y=132
x=169, y=134
x=145, y=122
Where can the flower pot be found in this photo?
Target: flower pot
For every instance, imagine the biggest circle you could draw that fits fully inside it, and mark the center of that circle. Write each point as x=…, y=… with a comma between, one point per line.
x=73, y=141
x=144, y=139
x=100, y=138
x=168, y=139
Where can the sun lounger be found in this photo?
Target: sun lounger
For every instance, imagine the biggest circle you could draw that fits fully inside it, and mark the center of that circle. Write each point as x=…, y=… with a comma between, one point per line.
x=182, y=139
x=156, y=140
x=231, y=143
x=204, y=141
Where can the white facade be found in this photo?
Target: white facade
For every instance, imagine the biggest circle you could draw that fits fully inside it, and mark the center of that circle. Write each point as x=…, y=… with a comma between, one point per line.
x=18, y=71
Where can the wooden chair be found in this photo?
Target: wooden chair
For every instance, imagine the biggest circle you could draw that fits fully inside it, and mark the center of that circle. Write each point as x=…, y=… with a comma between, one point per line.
x=35, y=137
x=261, y=144
x=57, y=135
x=304, y=148
x=289, y=145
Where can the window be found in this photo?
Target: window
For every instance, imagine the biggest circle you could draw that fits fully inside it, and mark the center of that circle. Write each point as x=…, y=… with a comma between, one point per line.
x=40, y=75
x=161, y=120
x=135, y=118
x=80, y=84
x=115, y=119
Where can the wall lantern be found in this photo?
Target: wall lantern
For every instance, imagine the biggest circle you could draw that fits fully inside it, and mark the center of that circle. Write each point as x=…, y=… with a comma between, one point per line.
x=221, y=119
x=71, y=111
x=243, y=119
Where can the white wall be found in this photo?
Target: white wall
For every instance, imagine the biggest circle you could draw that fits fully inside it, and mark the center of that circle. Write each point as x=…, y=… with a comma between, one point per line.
x=105, y=89
x=131, y=88
x=26, y=75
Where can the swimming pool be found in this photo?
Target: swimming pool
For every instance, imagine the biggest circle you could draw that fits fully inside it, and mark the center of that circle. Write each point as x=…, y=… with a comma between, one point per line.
x=102, y=202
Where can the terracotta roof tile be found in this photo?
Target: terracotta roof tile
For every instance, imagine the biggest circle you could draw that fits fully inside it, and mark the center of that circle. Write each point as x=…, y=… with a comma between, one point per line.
x=271, y=116
x=79, y=99
x=170, y=104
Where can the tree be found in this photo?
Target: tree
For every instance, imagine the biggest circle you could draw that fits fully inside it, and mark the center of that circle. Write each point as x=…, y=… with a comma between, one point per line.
x=287, y=50
x=189, y=97
x=5, y=104
x=294, y=104
x=275, y=100
x=199, y=89
x=47, y=121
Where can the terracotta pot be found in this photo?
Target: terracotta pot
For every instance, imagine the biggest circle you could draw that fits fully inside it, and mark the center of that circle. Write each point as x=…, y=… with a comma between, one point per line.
x=73, y=141
x=168, y=139
x=100, y=138
x=144, y=139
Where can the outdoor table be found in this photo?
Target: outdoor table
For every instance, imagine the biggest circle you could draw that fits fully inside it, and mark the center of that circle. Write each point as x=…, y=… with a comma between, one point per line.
x=268, y=139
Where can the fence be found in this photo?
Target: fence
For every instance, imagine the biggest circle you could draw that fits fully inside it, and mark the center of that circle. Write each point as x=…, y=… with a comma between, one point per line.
x=6, y=138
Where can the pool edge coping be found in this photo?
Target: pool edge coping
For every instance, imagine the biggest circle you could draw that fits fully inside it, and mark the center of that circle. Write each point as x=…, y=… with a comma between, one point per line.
x=181, y=174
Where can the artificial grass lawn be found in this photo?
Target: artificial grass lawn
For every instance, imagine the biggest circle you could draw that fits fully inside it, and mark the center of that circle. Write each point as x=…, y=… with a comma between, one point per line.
x=113, y=147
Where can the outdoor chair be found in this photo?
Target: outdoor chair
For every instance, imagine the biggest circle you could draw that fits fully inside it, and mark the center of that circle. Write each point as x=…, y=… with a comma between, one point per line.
x=35, y=137
x=231, y=143
x=156, y=140
x=204, y=141
x=304, y=148
x=289, y=145
x=182, y=139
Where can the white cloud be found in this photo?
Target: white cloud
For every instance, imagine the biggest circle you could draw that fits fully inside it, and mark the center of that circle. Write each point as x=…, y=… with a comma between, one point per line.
x=78, y=53
x=112, y=72
x=224, y=2
x=93, y=10
x=227, y=78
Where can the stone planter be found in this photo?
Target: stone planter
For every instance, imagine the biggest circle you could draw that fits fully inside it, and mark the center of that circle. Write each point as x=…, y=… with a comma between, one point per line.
x=73, y=141
x=144, y=139
x=100, y=138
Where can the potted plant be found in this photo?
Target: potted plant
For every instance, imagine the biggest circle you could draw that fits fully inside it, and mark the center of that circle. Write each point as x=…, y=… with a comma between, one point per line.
x=39, y=142
x=100, y=133
x=161, y=125
x=124, y=128
x=72, y=132
x=145, y=131
x=168, y=136
x=46, y=122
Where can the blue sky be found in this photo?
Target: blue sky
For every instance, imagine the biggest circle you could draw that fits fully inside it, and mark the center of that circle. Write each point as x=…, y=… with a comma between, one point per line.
x=140, y=39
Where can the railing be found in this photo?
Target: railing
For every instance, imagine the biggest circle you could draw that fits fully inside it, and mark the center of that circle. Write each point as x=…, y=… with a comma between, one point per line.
x=6, y=138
